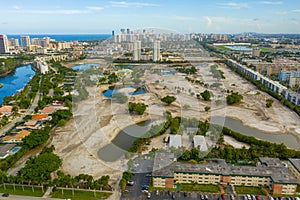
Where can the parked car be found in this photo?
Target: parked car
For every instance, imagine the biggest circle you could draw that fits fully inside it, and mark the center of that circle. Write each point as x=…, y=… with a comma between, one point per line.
x=149, y=195
x=5, y=195
x=257, y=197
x=130, y=183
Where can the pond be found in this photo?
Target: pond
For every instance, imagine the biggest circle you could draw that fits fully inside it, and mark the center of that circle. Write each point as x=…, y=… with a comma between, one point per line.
x=288, y=139
x=85, y=66
x=121, y=143
x=239, y=48
x=110, y=91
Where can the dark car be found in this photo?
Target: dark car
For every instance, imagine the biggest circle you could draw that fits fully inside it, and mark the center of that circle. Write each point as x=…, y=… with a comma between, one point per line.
x=5, y=195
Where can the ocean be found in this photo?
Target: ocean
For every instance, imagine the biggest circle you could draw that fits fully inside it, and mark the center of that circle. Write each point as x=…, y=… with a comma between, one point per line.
x=65, y=37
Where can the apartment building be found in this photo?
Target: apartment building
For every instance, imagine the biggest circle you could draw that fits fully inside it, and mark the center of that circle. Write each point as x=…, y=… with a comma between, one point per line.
x=216, y=171
x=294, y=167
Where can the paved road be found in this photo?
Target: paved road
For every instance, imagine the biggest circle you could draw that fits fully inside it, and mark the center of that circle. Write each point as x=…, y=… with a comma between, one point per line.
x=29, y=111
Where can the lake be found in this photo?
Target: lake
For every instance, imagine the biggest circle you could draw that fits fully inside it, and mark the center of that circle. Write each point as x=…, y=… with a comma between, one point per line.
x=16, y=81
x=288, y=139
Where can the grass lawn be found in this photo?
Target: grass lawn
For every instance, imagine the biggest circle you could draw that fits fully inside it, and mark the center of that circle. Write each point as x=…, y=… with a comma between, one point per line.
x=249, y=190
x=79, y=195
x=201, y=188
x=19, y=191
x=223, y=48
x=266, y=49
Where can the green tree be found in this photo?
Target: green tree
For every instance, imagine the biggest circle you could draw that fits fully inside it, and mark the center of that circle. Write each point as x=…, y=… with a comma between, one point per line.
x=168, y=99
x=137, y=107
x=234, y=98
x=206, y=95
x=269, y=103
x=207, y=108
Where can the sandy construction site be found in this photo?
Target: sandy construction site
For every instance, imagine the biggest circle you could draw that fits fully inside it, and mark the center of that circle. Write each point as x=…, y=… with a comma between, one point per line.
x=98, y=120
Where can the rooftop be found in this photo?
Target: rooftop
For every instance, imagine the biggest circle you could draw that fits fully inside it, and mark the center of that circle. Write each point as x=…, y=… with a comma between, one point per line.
x=5, y=109
x=219, y=167
x=48, y=110
x=175, y=141
x=295, y=162
x=39, y=116
x=5, y=148
x=270, y=162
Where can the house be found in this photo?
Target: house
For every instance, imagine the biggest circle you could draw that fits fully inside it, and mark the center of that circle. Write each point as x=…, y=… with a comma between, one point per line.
x=16, y=138
x=41, y=117
x=5, y=150
x=6, y=110
x=200, y=142
x=175, y=141
x=47, y=110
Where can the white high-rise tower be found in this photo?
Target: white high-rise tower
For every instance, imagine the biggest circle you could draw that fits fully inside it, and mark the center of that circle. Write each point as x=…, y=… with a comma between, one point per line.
x=4, y=44
x=137, y=50
x=156, y=51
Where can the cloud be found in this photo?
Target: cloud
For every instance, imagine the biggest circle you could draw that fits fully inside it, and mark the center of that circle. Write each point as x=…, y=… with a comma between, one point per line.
x=209, y=20
x=296, y=11
x=124, y=4
x=17, y=7
x=256, y=19
x=58, y=12
x=94, y=8
x=234, y=5
x=270, y=2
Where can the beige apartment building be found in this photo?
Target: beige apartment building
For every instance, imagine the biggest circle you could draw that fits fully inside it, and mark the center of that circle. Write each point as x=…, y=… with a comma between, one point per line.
x=268, y=172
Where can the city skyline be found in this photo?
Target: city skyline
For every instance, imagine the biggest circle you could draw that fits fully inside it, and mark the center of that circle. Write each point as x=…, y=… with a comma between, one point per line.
x=94, y=16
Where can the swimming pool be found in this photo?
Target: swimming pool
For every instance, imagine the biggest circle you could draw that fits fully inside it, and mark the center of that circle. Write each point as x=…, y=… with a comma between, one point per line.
x=16, y=149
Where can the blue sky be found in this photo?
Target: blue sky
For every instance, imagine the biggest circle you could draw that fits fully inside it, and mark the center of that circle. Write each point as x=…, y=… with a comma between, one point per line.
x=102, y=16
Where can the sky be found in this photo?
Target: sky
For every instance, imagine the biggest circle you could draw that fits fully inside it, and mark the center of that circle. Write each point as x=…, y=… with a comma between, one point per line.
x=184, y=16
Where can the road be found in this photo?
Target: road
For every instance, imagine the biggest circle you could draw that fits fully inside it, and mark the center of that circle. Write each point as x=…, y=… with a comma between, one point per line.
x=29, y=111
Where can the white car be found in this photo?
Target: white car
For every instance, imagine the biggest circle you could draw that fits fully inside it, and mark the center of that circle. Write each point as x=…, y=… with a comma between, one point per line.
x=149, y=195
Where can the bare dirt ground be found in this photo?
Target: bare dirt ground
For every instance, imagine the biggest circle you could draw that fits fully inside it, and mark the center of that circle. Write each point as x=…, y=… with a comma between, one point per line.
x=252, y=111
x=231, y=141
x=97, y=120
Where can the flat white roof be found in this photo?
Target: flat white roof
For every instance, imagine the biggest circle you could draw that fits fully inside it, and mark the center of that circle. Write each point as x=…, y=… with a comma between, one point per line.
x=175, y=141
x=200, y=142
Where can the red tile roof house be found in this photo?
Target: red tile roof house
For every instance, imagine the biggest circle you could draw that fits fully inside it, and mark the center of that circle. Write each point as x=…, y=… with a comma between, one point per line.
x=6, y=110
x=47, y=110
x=41, y=117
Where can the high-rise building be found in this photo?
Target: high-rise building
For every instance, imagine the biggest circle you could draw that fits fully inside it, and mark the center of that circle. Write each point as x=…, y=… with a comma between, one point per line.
x=4, y=44
x=13, y=42
x=25, y=41
x=156, y=51
x=113, y=33
x=128, y=31
x=137, y=50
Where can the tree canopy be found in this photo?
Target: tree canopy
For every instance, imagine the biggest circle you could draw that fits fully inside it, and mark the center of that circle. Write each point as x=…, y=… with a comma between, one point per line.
x=139, y=108
x=168, y=99
x=234, y=98
x=206, y=95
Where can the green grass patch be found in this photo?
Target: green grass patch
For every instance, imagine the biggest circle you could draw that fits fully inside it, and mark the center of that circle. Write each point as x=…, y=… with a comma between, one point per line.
x=200, y=188
x=19, y=190
x=249, y=190
x=79, y=195
x=223, y=48
x=266, y=49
